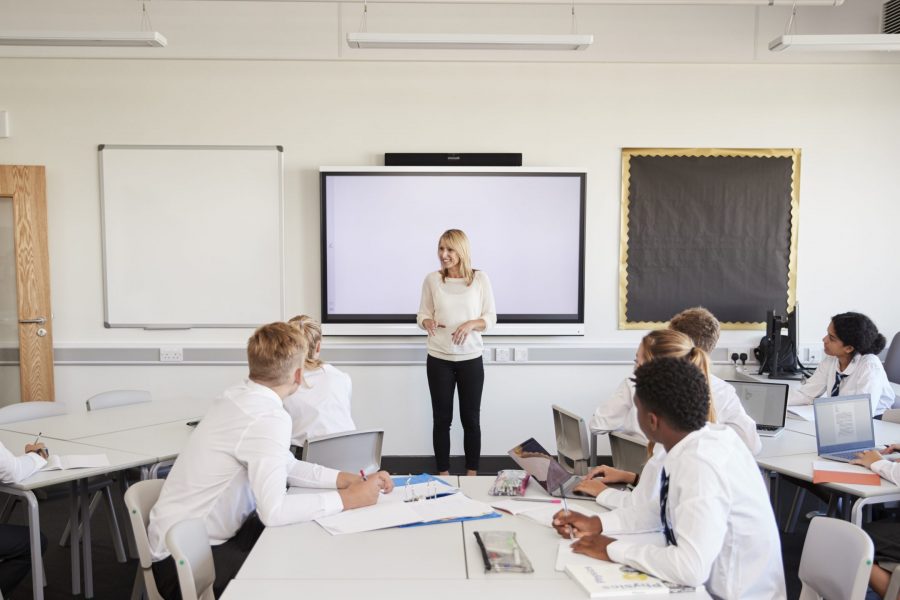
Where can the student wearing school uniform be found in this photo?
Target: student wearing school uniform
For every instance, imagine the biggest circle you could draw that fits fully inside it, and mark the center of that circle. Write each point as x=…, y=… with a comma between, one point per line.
x=457, y=306
x=885, y=533
x=237, y=466
x=321, y=405
x=15, y=543
x=851, y=365
x=713, y=507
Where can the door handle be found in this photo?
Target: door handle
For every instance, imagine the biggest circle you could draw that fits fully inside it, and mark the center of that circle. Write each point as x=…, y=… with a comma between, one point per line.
x=37, y=321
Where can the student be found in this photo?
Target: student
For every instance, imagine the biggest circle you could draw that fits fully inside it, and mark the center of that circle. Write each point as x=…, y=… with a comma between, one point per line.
x=702, y=330
x=851, y=365
x=885, y=533
x=321, y=405
x=238, y=461
x=714, y=510
x=15, y=543
x=457, y=305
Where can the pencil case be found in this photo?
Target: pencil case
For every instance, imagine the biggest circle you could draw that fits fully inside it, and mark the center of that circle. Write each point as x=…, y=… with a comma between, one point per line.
x=501, y=552
x=509, y=482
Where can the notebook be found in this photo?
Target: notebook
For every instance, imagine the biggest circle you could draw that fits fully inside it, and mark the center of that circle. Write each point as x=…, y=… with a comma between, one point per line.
x=543, y=468
x=766, y=403
x=844, y=426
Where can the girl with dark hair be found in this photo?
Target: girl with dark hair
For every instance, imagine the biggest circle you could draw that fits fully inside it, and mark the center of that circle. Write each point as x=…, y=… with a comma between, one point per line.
x=851, y=365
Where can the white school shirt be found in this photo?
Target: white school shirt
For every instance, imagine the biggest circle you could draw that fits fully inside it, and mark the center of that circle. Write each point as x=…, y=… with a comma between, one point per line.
x=864, y=375
x=321, y=405
x=619, y=414
x=451, y=303
x=721, y=517
x=888, y=469
x=646, y=490
x=236, y=461
x=14, y=469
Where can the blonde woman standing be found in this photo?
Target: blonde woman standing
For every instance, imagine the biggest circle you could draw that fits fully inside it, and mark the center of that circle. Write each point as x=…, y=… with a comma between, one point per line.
x=321, y=405
x=457, y=306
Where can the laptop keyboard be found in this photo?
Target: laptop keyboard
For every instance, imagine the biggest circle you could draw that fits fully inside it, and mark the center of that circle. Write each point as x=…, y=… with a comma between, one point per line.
x=849, y=455
x=768, y=427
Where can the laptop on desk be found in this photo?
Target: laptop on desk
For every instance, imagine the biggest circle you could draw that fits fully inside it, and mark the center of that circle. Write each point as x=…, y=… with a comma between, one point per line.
x=844, y=426
x=545, y=470
x=766, y=403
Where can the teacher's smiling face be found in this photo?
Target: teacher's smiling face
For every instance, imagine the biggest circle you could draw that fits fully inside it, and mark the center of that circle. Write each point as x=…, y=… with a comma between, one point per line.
x=448, y=257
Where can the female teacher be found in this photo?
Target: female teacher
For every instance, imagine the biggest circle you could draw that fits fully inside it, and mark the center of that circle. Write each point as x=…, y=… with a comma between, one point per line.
x=457, y=305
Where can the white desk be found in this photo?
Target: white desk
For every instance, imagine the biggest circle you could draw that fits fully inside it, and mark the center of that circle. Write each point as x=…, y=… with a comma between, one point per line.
x=118, y=460
x=164, y=441
x=786, y=443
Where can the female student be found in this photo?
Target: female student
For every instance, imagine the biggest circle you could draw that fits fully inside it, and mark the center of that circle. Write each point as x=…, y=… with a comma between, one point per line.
x=321, y=405
x=457, y=306
x=664, y=343
x=885, y=534
x=851, y=365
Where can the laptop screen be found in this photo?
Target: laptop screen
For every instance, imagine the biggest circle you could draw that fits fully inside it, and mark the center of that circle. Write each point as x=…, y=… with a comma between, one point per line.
x=766, y=403
x=537, y=462
x=844, y=423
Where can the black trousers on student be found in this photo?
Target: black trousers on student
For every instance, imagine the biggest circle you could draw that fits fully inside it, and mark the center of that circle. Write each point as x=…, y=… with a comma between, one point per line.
x=467, y=376
x=15, y=556
x=227, y=559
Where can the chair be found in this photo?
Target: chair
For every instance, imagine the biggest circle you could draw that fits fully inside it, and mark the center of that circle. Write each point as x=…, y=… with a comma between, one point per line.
x=891, y=415
x=189, y=544
x=347, y=451
x=114, y=398
x=25, y=411
x=139, y=499
x=629, y=452
x=892, y=360
x=572, y=449
x=836, y=561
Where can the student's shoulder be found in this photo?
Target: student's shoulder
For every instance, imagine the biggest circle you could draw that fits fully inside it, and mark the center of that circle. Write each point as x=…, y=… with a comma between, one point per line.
x=333, y=372
x=870, y=362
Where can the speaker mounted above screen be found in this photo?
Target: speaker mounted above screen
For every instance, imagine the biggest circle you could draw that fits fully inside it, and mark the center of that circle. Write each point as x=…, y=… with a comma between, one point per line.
x=453, y=159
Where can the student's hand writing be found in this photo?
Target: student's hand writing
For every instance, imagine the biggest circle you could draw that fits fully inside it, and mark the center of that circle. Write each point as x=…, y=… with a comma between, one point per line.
x=867, y=458
x=577, y=524
x=891, y=449
x=608, y=475
x=38, y=449
x=360, y=493
x=460, y=334
x=593, y=545
x=591, y=487
x=431, y=325
x=385, y=483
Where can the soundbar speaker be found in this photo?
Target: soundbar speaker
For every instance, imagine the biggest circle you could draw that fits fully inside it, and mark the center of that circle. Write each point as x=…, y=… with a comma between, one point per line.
x=444, y=159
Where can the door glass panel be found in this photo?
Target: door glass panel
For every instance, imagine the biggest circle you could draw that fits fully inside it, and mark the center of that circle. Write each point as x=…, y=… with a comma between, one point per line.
x=9, y=327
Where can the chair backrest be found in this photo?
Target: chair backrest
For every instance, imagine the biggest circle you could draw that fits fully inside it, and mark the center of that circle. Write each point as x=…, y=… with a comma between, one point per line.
x=117, y=398
x=139, y=499
x=25, y=411
x=347, y=451
x=891, y=415
x=836, y=560
x=189, y=544
x=572, y=448
x=629, y=453
x=892, y=360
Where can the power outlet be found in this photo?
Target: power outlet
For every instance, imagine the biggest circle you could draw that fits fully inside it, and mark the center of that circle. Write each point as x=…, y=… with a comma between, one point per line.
x=171, y=355
x=487, y=355
x=741, y=350
x=520, y=354
x=814, y=354
x=501, y=355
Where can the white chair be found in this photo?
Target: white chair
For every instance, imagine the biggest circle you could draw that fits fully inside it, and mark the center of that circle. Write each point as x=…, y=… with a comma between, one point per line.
x=891, y=415
x=347, y=451
x=189, y=544
x=114, y=398
x=25, y=411
x=629, y=452
x=139, y=499
x=572, y=449
x=836, y=561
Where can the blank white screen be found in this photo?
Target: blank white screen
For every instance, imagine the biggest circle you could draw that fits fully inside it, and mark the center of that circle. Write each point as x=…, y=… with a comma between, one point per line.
x=382, y=233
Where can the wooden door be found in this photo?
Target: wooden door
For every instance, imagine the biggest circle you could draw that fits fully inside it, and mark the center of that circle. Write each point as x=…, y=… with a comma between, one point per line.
x=25, y=188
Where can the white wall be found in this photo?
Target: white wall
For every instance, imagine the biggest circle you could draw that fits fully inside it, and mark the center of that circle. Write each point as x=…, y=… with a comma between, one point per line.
x=845, y=118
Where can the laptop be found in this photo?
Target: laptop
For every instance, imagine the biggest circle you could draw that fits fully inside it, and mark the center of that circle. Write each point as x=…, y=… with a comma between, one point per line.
x=545, y=470
x=766, y=403
x=844, y=426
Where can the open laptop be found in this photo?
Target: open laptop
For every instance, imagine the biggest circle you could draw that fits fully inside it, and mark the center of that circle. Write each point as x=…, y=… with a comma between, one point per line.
x=844, y=426
x=545, y=470
x=766, y=403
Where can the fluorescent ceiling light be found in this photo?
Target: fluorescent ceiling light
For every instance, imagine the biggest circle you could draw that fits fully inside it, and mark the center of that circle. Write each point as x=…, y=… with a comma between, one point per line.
x=468, y=41
x=136, y=39
x=865, y=42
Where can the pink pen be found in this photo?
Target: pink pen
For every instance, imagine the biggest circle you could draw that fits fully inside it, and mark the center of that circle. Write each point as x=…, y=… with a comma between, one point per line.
x=363, y=475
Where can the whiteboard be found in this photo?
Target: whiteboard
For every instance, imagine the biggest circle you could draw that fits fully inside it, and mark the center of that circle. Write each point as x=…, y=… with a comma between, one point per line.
x=192, y=235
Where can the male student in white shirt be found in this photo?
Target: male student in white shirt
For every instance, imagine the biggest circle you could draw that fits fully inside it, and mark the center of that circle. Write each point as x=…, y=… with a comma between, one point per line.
x=238, y=461
x=713, y=507
x=15, y=544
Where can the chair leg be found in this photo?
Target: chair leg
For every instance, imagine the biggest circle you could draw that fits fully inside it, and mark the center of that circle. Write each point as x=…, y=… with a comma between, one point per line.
x=64, y=538
x=137, y=588
x=8, y=507
x=791, y=523
x=113, y=522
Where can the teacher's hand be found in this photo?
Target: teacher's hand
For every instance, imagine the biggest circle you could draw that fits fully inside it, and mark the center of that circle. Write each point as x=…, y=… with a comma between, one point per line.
x=430, y=325
x=462, y=332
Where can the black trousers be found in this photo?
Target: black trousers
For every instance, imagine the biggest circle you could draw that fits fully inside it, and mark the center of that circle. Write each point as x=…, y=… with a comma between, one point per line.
x=467, y=377
x=15, y=556
x=227, y=560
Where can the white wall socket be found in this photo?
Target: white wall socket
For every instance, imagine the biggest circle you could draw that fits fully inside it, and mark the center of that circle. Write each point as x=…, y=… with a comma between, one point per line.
x=814, y=354
x=487, y=355
x=171, y=355
x=520, y=354
x=501, y=354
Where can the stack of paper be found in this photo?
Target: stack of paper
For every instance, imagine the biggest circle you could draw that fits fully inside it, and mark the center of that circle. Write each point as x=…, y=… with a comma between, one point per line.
x=829, y=471
x=76, y=461
x=605, y=580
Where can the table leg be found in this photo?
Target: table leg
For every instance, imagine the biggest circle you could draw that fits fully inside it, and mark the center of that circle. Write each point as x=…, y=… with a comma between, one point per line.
x=75, y=540
x=86, y=540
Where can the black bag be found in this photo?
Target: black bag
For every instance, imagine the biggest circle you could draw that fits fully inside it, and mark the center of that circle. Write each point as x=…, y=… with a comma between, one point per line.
x=786, y=362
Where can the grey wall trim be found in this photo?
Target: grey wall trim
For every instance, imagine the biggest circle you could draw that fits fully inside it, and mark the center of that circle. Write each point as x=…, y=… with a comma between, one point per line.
x=343, y=354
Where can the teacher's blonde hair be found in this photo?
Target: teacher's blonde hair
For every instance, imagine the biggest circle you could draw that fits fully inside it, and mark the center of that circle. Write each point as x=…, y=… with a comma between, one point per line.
x=456, y=239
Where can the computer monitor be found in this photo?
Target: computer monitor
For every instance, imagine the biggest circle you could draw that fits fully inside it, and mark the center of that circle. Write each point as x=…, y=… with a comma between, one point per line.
x=780, y=360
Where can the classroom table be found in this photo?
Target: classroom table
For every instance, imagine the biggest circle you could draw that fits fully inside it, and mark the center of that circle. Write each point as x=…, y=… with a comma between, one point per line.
x=163, y=441
x=118, y=460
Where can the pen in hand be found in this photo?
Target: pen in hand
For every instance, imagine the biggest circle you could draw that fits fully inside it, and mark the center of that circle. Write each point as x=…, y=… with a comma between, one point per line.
x=362, y=475
x=566, y=512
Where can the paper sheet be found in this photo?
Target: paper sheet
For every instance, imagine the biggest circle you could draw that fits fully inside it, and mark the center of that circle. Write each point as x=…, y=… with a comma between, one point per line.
x=803, y=411
x=516, y=507
x=75, y=461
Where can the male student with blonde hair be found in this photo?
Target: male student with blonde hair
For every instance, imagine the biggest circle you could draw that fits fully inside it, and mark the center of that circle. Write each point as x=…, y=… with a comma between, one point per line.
x=237, y=466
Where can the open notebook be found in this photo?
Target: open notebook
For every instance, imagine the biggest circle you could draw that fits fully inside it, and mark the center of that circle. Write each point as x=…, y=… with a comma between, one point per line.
x=75, y=461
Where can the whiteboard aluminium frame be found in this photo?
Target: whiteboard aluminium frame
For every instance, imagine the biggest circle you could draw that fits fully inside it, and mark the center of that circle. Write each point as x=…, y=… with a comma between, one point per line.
x=167, y=326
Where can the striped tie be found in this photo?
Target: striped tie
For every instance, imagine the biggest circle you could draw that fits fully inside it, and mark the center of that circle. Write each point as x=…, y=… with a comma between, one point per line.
x=838, y=378
x=663, y=499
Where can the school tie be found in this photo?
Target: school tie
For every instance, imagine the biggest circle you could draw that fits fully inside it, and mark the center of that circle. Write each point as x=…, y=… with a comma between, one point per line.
x=838, y=378
x=663, y=500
